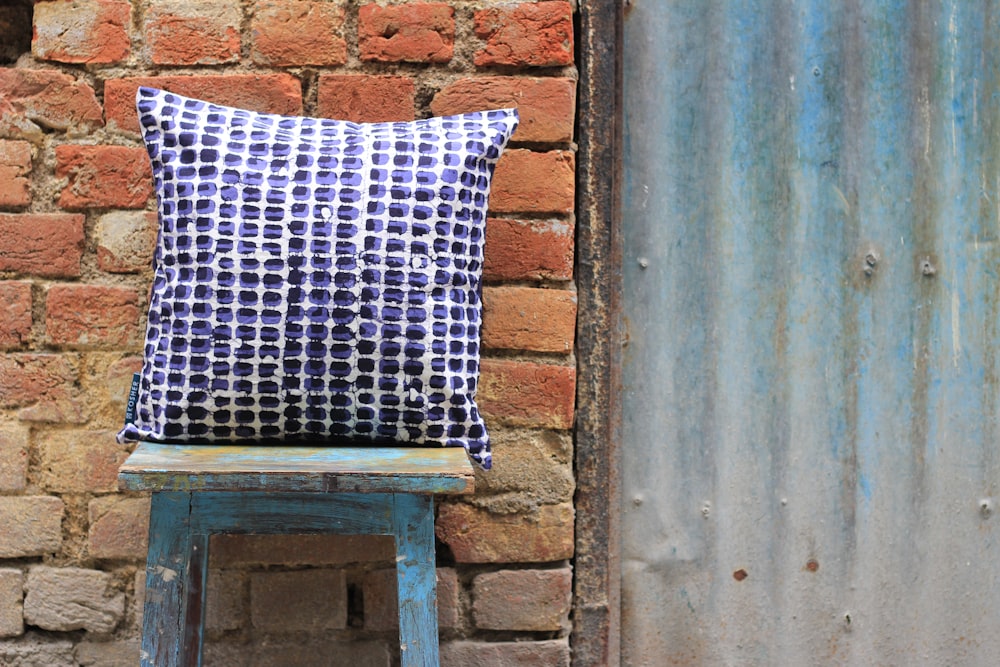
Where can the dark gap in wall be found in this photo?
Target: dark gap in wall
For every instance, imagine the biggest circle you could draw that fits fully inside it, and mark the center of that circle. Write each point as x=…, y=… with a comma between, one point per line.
x=15, y=29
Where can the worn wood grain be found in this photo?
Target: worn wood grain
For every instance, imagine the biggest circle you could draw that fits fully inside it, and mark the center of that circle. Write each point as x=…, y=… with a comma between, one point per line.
x=161, y=467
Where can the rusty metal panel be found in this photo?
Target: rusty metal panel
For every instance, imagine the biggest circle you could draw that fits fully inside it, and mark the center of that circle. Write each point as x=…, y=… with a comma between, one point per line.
x=812, y=273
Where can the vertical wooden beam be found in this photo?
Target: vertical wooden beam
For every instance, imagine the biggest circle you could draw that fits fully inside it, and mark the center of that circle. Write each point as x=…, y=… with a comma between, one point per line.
x=413, y=519
x=167, y=571
x=196, y=590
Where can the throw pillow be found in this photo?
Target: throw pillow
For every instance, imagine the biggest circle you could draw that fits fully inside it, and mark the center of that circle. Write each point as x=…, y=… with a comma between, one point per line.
x=315, y=280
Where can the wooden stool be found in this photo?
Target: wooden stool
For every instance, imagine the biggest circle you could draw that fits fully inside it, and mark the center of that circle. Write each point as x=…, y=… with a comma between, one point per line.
x=203, y=489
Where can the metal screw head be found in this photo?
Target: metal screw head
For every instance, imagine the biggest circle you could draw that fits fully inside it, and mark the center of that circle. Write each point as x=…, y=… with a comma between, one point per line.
x=871, y=261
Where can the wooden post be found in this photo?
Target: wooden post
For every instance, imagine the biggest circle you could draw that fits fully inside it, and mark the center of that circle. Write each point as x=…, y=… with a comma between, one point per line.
x=416, y=577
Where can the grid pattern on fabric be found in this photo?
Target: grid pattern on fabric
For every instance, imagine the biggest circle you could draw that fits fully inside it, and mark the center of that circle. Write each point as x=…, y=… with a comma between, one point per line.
x=315, y=279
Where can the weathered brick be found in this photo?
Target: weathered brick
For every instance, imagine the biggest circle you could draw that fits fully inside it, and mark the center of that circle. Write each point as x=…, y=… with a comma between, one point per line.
x=34, y=650
x=125, y=241
x=43, y=386
x=79, y=461
x=362, y=98
x=30, y=525
x=118, y=380
x=49, y=245
x=416, y=32
x=11, y=602
x=478, y=536
x=138, y=599
x=49, y=99
x=46, y=98
x=13, y=457
x=94, y=32
x=527, y=394
x=272, y=93
x=528, y=318
x=545, y=105
x=203, y=32
x=15, y=313
x=297, y=32
x=538, y=34
x=530, y=182
x=304, y=600
x=72, y=598
x=529, y=600
x=119, y=527
x=269, y=653
x=529, y=467
x=88, y=316
x=123, y=653
x=224, y=601
x=382, y=610
x=528, y=250
x=262, y=550
x=103, y=176
x=548, y=653
x=15, y=171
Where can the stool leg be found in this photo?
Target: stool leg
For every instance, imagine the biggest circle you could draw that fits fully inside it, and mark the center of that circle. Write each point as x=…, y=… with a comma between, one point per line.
x=416, y=578
x=176, y=567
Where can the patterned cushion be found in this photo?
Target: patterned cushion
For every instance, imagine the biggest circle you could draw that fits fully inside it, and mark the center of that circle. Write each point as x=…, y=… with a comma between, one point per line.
x=315, y=280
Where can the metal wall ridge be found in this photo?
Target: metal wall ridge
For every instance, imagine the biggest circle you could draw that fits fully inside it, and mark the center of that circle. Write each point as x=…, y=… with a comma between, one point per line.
x=812, y=296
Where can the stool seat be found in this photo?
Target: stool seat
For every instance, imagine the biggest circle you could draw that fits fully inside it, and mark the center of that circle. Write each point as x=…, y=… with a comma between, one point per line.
x=198, y=490
x=159, y=467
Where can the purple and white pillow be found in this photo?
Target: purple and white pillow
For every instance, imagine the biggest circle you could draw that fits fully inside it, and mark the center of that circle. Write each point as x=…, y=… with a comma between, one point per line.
x=315, y=280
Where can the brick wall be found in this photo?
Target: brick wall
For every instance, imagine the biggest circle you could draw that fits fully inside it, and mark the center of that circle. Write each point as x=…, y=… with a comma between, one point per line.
x=76, y=234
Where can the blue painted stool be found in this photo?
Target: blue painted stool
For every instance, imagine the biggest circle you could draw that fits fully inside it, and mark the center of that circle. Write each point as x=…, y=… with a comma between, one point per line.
x=203, y=489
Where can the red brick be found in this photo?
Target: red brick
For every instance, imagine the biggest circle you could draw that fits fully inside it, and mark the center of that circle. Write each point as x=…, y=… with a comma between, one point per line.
x=79, y=461
x=529, y=182
x=104, y=176
x=125, y=241
x=15, y=170
x=478, y=536
x=47, y=98
x=527, y=318
x=205, y=32
x=548, y=653
x=263, y=550
x=94, y=32
x=15, y=314
x=13, y=457
x=528, y=250
x=527, y=600
x=545, y=105
x=527, y=394
x=42, y=244
x=304, y=600
x=416, y=32
x=539, y=34
x=119, y=527
x=361, y=98
x=92, y=315
x=297, y=32
x=271, y=93
x=30, y=525
x=382, y=611
x=44, y=386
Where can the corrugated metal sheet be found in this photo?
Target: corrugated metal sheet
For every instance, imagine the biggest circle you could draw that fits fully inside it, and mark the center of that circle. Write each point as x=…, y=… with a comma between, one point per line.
x=812, y=289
